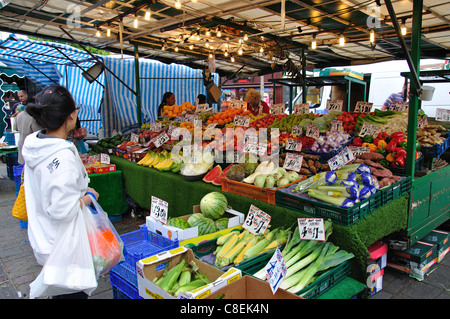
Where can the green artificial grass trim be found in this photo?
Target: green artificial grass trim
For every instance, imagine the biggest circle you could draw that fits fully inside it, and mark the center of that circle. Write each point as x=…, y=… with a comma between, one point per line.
x=109, y=186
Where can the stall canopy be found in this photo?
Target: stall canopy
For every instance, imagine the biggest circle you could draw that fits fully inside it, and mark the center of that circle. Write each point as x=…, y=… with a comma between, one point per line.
x=273, y=35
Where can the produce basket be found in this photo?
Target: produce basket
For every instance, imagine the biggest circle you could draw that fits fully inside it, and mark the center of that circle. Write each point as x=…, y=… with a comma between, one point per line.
x=325, y=157
x=260, y=193
x=285, y=197
x=436, y=150
x=122, y=289
x=324, y=282
x=401, y=171
x=396, y=190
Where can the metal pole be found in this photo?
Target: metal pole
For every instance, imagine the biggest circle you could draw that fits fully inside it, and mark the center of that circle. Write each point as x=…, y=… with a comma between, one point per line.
x=304, y=88
x=414, y=102
x=138, y=85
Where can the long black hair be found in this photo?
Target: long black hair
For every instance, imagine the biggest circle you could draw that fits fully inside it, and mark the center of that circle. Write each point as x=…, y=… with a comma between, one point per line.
x=52, y=107
x=164, y=102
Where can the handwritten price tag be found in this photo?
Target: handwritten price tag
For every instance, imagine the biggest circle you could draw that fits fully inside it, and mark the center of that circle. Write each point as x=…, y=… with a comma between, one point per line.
x=312, y=131
x=251, y=147
x=442, y=115
x=302, y=108
x=104, y=158
x=399, y=106
x=369, y=129
x=276, y=270
x=191, y=118
x=334, y=105
x=257, y=221
x=293, y=145
x=155, y=127
x=277, y=109
x=241, y=120
x=311, y=229
x=160, y=139
x=237, y=104
x=342, y=158
x=297, y=130
x=159, y=209
x=293, y=162
x=363, y=107
x=202, y=108
x=358, y=150
x=422, y=121
x=134, y=137
x=179, y=118
x=337, y=126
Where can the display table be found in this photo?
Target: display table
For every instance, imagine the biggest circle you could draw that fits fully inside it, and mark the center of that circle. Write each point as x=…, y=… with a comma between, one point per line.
x=110, y=188
x=143, y=182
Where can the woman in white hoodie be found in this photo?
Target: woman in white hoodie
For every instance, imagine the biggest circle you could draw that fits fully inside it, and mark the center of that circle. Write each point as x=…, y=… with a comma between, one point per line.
x=55, y=179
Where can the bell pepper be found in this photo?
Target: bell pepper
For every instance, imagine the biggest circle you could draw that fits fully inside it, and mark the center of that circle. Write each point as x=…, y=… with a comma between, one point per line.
x=399, y=152
x=390, y=158
x=357, y=141
x=393, y=144
x=375, y=141
x=403, y=145
x=373, y=148
x=417, y=155
x=368, y=138
x=397, y=135
x=382, y=151
x=400, y=161
x=384, y=163
x=381, y=144
x=417, y=146
x=382, y=135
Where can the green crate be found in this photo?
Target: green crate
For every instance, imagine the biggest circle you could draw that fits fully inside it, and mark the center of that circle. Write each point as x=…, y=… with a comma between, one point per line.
x=339, y=215
x=396, y=190
x=323, y=283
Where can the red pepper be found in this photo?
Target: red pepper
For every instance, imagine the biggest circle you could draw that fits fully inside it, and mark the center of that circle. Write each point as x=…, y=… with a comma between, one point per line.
x=400, y=161
x=393, y=144
x=383, y=135
x=376, y=140
x=399, y=152
x=398, y=135
x=357, y=141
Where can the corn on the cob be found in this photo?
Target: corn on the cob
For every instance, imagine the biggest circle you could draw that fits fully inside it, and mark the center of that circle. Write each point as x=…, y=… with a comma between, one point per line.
x=223, y=239
x=228, y=245
x=231, y=254
x=185, y=278
x=172, y=276
x=280, y=240
x=256, y=249
x=190, y=286
x=249, y=244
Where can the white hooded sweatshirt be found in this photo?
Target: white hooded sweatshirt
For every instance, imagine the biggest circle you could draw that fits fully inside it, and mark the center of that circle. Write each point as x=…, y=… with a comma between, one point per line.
x=54, y=179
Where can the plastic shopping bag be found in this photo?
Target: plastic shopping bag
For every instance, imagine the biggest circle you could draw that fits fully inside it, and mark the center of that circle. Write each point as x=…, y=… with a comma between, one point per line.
x=69, y=267
x=106, y=245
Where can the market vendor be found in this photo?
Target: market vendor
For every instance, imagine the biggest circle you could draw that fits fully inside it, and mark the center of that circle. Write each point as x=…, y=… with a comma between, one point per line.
x=396, y=97
x=255, y=104
x=168, y=99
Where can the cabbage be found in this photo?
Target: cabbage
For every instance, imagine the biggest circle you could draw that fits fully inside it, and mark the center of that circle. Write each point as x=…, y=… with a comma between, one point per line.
x=322, y=124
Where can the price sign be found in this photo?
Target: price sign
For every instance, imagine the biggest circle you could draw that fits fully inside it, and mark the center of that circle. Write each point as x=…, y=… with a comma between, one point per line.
x=312, y=131
x=251, y=147
x=160, y=139
x=202, y=108
x=311, y=229
x=358, y=150
x=442, y=115
x=134, y=137
x=293, y=145
x=159, y=209
x=334, y=105
x=179, y=118
x=337, y=126
x=363, y=107
x=257, y=221
x=369, y=129
x=399, y=106
x=191, y=118
x=237, y=104
x=241, y=120
x=342, y=158
x=251, y=137
x=293, y=162
x=262, y=149
x=172, y=130
x=104, y=158
x=155, y=127
x=422, y=121
x=277, y=109
x=209, y=130
x=297, y=130
x=276, y=270
x=302, y=108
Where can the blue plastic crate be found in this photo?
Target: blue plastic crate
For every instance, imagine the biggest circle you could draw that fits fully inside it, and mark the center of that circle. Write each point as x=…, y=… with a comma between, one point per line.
x=126, y=272
x=17, y=172
x=144, y=243
x=10, y=138
x=123, y=290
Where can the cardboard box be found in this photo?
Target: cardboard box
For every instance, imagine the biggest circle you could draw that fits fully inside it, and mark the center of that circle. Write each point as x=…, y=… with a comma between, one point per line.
x=89, y=169
x=190, y=235
x=149, y=268
x=441, y=239
x=249, y=287
x=104, y=168
x=415, y=261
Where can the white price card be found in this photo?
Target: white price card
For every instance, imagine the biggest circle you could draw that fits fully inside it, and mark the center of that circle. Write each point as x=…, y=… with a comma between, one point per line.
x=209, y=130
x=179, y=118
x=250, y=137
x=104, y=158
x=311, y=229
x=297, y=130
x=191, y=118
x=155, y=127
x=293, y=145
x=251, y=147
x=172, y=130
x=160, y=139
x=334, y=105
x=312, y=131
x=399, y=106
x=241, y=120
x=278, y=108
x=257, y=221
x=341, y=159
x=337, y=126
x=422, y=121
x=159, y=209
x=237, y=104
x=293, y=162
x=202, y=108
x=442, y=115
x=358, y=150
x=276, y=270
x=370, y=129
x=363, y=107
x=302, y=108
x=134, y=137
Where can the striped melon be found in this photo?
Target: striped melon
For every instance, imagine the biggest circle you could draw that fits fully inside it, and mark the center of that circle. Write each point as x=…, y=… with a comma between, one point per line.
x=206, y=226
x=178, y=222
x=195, y=218
x=213, y=205
x=222, y=223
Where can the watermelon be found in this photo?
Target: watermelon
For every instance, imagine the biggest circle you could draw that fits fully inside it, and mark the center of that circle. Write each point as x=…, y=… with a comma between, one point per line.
x=213, y=174
x=178, y=222
x=206, y=226
x=213, y=205
x=222, y=223
x=218, y=180
x=194, y=219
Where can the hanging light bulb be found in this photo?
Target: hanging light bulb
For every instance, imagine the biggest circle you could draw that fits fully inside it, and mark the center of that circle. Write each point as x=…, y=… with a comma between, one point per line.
x=210, y=55
x=261, y=49
x=245, y=37
x=226, y=54
x=314, y=44
x=341, y=40
x=232, y=59
x=403, y=27
x=98, y=34
x=108, y=32
x=219, y=33
x=148, y=14
x=176, y=49
x=198, y=36
x=191, y=47
x=208, y=33
x=207, y=44
x=240, y=51
x=178, y=4
x=136, y=22
x=372, y=36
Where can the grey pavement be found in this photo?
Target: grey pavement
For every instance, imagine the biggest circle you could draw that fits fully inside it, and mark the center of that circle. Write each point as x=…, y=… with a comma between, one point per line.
x=18, y=267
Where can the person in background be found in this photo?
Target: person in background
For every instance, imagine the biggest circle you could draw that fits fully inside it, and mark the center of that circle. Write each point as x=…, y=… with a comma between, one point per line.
x=395, y=97
x=55, y=178
x=255, y=104
x=20, y=106
x=201, y=99
x=168, y=99
x=26, y=125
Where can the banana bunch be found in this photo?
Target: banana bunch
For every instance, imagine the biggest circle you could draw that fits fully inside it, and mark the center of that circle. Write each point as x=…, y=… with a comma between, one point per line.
x=161, y=161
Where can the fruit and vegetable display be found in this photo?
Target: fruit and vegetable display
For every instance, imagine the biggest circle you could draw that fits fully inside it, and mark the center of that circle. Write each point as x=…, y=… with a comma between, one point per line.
x=330, y=141
x=430, y=135
x=107, y=143
x=307, y=260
